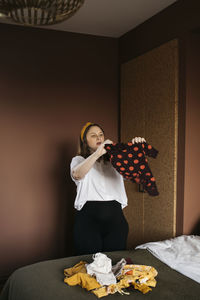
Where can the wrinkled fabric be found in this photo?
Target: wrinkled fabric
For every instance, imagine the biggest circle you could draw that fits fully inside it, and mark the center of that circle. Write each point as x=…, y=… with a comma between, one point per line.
x=101, y=268
x=77, y=275
x=140, y=274
x=101, y=264
x=117, y=269
x=80, y=267
x=181, y=254
x=140, y=277
x=84, y=280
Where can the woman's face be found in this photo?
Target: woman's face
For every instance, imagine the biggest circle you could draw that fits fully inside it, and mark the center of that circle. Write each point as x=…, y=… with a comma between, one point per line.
x=94, y=137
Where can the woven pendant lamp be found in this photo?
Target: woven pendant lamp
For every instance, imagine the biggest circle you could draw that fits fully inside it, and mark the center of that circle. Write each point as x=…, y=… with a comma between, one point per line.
x=39, y=12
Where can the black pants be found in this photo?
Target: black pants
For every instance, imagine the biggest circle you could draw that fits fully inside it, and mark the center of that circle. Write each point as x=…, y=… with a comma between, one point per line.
x=100, y=226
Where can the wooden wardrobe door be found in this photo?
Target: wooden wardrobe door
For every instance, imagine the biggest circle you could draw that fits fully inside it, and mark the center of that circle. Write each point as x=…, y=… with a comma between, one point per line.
x=149, y=108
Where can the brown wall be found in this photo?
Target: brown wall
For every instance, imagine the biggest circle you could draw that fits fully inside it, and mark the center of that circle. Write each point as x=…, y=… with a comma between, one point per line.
x=51, y=83
x=192, y=141
x=176, y=21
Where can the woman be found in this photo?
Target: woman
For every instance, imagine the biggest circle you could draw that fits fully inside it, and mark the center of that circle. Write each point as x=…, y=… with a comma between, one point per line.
x=100, y=224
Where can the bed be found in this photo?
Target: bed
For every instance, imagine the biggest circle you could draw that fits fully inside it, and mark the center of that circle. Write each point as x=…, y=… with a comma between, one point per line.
x=45, y=280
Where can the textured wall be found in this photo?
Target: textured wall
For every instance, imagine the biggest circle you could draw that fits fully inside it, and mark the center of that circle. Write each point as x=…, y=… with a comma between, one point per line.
x=51, y=83
x=174, y=22
x=149, y=89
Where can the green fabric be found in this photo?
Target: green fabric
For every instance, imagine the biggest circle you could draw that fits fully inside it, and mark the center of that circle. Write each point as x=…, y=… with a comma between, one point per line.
x=44, y=281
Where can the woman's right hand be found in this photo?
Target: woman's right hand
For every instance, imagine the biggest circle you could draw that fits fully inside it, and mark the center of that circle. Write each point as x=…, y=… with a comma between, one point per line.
x=108, y=142
x=79, y=171
x=101, y=150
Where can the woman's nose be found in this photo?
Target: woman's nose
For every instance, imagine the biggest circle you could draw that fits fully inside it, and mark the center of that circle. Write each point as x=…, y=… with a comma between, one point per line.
x=98, y=138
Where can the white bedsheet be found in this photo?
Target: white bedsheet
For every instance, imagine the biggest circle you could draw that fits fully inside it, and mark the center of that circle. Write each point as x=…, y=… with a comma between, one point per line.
x=181, y=254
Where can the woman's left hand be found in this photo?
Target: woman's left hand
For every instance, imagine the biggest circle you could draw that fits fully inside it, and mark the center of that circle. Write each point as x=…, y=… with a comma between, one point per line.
x=138, y=140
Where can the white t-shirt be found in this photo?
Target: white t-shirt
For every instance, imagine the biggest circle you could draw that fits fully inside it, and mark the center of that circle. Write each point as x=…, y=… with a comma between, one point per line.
x=101, y=183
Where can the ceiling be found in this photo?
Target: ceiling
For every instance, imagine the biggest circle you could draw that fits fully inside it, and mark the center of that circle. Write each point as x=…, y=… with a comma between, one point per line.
x=111, y=18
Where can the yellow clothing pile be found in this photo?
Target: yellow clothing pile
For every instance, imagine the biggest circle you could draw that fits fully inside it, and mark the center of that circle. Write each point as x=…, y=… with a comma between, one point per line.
x=141, y=277
x=77, y=275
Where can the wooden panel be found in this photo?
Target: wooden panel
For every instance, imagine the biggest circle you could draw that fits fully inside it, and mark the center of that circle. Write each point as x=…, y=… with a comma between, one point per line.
x=149, y=109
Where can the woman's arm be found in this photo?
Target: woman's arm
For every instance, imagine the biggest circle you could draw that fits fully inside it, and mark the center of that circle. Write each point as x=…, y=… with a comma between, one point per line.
x=82, y=169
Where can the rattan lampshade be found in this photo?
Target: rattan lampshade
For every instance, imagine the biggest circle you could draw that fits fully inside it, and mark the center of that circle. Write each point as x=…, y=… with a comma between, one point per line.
x=39, y=12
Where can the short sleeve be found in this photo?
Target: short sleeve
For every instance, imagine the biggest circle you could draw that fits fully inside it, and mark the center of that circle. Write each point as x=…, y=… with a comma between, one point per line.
x=75, y=162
